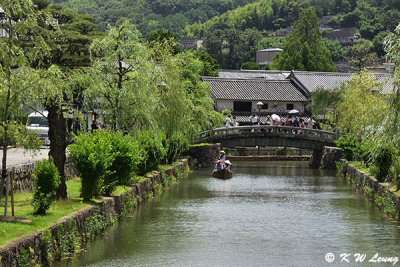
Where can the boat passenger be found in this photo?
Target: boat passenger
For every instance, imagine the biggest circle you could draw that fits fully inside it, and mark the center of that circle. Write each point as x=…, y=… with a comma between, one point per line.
x=220, y=163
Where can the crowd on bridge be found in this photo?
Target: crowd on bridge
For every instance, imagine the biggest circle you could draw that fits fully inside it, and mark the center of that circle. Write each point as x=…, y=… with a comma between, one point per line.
x=276, y=120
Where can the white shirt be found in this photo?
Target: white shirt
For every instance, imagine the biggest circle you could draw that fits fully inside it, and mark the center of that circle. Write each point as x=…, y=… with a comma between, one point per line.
x=227, y=122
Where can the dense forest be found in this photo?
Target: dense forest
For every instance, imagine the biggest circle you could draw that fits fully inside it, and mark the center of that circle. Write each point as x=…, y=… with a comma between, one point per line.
x=233, y=30
x=150, y=15
x=233, y=37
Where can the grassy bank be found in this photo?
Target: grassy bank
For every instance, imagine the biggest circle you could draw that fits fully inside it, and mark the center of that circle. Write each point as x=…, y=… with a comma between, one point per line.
x=10, y=231
x=23, y=208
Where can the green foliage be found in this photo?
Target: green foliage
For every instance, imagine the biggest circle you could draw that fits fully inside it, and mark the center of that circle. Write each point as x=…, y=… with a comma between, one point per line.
x=361, y=55
x=281, y=151
x=95, y=224
x=92, y=156
x=177, y=144
x=391, y=120
x=249, y=66
x=150, y=15
x=165, y=38
x=362, y=106
x=324, y=102
x=210, y=65
x=127, y=155
x=349, y=145
x=342, y=167
x=338, y=52
x=46, y=247
x=383, y=158
x=46, y=179
x=67, y=242
x=396, y=172
x=106, y=160
x=153, y=145
x=366, y=150
x=304, y=48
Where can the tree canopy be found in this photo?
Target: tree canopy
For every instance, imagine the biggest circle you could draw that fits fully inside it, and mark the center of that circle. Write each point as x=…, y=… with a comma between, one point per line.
x=304, y=48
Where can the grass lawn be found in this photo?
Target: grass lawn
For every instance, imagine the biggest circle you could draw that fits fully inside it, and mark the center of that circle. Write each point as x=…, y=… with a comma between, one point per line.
x=359, y=166
x=23, y=208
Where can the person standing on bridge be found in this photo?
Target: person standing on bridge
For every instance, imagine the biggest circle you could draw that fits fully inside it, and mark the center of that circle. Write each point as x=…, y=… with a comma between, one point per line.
x=227, y=122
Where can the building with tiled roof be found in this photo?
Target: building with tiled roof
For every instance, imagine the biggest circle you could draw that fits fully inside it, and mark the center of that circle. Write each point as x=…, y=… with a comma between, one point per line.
x=242, y=95
x=254, y=74
x=309, y=81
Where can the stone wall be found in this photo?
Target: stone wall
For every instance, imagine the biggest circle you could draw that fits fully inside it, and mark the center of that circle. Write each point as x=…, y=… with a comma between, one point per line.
x=70, y=234
x=204, y=155
x=379, y=193
x=23, y=179
x=330, y=156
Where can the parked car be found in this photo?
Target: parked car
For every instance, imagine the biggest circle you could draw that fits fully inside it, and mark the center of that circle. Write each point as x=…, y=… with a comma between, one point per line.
x=37, y=122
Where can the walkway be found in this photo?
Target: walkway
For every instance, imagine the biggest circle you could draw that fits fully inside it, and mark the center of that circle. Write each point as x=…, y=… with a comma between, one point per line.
x=17, y=156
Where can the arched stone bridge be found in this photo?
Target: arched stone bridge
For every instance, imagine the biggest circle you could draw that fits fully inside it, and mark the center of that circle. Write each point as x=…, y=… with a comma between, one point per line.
x=264, y=135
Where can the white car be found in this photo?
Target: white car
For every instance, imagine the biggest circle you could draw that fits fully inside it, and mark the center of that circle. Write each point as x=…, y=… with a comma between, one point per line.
x=38, y=123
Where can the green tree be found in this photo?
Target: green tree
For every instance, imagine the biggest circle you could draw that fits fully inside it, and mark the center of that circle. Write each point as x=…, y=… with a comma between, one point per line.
x=324, y=102
x=19, y=23
x=391, y=122
x=304, y=48
x=122, y=68
x=362, y=106
x=60, y=89
x=338, y=52
x=165, y=38
x=360, y=55
x=249, y=66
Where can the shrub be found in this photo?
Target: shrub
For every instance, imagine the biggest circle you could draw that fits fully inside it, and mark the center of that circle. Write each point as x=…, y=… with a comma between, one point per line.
x=154, y=151
x=349, y=145
x=92, y=156
x=281, y=151
x=396, y=172
x=366, y=150
x=382, y=162
x=250, y=65
x=177, y=144
x=46, y=179
x=126, y=155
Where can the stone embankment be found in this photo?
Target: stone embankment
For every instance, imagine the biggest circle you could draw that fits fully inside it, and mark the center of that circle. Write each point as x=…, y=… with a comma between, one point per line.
x=67, y=237
x=379, y=193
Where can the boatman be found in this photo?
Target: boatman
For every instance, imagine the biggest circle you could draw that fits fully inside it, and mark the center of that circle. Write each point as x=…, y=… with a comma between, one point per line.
x=220, y=164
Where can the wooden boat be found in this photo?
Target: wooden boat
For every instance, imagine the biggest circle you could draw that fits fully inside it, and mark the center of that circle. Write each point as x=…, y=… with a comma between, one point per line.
x=225, y=173
x=222, y=174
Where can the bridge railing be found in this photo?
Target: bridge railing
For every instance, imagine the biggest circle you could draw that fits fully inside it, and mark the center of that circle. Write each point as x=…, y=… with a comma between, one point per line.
x=263, y=129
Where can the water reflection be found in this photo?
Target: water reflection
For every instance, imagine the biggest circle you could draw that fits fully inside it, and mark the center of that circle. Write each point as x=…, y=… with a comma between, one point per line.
x=269, y=214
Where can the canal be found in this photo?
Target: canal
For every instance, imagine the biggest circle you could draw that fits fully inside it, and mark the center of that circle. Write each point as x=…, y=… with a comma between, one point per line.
x=268, y=214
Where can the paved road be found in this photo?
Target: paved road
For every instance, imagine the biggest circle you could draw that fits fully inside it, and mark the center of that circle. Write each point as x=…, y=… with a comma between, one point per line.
x=17, y=156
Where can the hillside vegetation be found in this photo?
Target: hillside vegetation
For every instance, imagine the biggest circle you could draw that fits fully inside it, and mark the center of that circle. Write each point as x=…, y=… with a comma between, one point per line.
x=234, y=37
x=150, y=15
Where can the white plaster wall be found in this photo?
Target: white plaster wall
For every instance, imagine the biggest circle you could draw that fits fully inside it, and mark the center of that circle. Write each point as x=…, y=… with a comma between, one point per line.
x=278, y=106
x=224, y=104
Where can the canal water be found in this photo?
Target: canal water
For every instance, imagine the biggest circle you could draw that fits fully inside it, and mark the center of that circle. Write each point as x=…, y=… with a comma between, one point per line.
x=268, y=214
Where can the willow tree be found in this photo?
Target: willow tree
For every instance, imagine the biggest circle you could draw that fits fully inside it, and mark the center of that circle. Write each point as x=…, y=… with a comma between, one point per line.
x=391, y=122
x=124, y=90
x=362, y=105
x=18, y=22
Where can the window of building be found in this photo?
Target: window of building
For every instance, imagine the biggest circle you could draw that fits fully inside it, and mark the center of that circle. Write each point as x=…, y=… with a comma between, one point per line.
x=265, y=106
x=242, y=106
x=289, y=106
